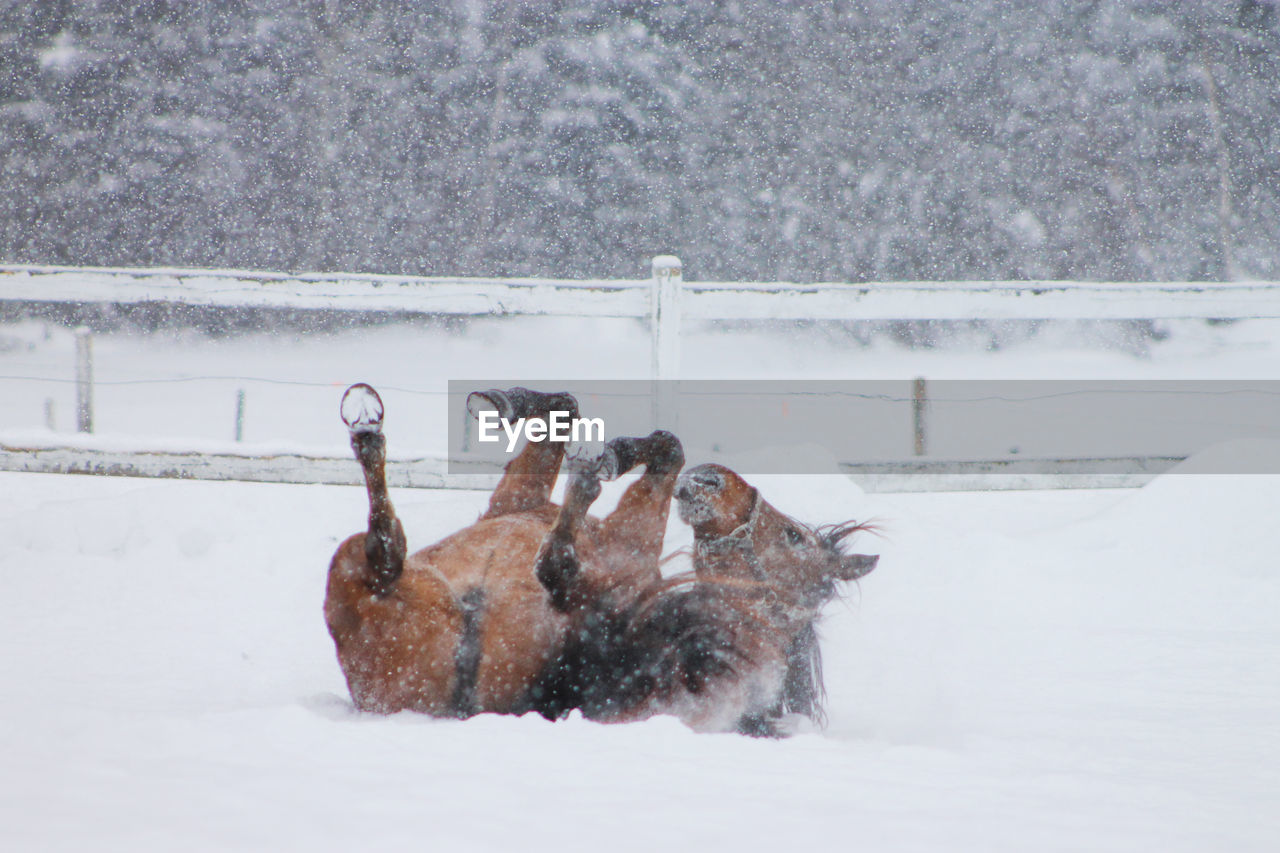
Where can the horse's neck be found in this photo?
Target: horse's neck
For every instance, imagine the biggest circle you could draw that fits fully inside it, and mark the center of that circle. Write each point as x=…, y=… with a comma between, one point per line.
x=733, y=565
x=726, y=557
x=731, y=554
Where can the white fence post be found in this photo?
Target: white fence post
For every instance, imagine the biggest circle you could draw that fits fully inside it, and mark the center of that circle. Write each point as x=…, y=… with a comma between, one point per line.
x=84, y=380
x=664, y=316
x=664, y=326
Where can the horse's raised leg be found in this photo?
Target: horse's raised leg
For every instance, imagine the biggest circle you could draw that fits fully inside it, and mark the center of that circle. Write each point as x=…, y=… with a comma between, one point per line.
x=384, y=545
x=632, y=534
x=556, y=565
x=635, y=528
x=528, y=479
x=398, y=628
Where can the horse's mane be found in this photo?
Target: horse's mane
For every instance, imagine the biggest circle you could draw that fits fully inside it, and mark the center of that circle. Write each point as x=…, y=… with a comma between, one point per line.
x=803, y=690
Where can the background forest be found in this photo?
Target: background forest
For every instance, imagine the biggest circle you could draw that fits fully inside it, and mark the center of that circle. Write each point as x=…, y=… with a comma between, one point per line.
x=1105, y=140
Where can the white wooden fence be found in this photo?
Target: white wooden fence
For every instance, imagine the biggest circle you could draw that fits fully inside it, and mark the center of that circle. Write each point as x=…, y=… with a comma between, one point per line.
x=664, y=299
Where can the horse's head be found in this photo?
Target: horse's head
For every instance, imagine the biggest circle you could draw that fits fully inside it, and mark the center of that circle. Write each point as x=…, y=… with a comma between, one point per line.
x=739, y=534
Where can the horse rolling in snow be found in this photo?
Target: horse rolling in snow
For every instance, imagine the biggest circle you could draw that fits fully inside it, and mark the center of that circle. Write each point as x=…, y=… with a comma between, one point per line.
x=463, y=626
x=730, y=646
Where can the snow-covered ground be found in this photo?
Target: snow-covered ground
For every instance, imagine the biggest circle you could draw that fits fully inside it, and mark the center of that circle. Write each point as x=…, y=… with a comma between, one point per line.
x=1069, y=670
x=1025, y=671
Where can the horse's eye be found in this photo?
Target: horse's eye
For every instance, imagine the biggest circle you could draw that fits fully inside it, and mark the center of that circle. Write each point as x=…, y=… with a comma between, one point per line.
x=793, y=536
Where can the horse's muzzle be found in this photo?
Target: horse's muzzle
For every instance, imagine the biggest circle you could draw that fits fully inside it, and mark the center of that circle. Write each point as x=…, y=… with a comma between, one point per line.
x=693, y=492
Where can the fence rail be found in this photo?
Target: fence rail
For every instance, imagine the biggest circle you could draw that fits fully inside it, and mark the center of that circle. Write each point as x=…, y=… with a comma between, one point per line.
x=664, y=299
x=317, y=291
x=915, y=475
x=964, y=300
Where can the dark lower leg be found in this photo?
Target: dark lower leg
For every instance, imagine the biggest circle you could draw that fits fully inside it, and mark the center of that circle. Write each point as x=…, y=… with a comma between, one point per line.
x=385, y=546
x=659, y=452
x=556, y=566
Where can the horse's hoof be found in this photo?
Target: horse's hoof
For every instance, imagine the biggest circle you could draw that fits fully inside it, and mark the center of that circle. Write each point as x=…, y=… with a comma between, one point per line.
x=492, y=400
x=660, y=452
x=362, y=409
x=516, y=403
x=665, y=452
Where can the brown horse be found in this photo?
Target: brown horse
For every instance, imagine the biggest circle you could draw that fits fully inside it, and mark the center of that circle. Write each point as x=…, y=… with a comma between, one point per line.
x=463, y=626
x=731, y=645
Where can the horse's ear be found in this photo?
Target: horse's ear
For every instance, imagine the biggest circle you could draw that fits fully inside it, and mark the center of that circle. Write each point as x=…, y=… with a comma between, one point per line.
x=854, y=566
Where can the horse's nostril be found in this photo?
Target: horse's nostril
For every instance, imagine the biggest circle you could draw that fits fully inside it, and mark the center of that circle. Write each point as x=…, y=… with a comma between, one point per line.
x=709, y=479
x=698, y=483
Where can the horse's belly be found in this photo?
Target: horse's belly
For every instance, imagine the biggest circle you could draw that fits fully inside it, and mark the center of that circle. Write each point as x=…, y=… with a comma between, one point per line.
x=491, y=566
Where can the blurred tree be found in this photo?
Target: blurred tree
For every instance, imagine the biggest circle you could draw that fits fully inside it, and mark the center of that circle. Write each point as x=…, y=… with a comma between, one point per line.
x=855, y=140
